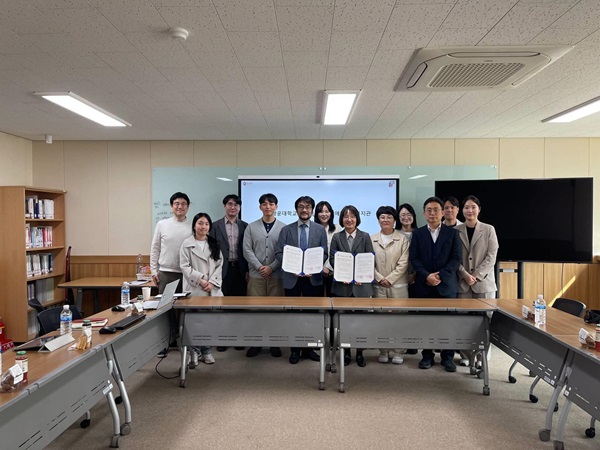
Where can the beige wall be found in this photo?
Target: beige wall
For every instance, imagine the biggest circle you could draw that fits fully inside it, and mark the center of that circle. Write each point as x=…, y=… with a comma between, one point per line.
x=15, y=161
x=109, y=182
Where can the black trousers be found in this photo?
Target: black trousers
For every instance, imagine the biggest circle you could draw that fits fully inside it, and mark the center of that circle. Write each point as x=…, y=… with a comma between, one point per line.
x=234, y=283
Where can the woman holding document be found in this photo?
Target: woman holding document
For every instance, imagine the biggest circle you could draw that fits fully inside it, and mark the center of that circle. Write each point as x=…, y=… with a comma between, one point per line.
x=352, y=244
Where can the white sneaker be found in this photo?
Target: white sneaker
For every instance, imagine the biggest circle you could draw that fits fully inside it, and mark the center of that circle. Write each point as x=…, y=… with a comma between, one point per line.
x=208, y=358
x=464, y=362
x=383, y=357
x=193, y=359
x=397, y=359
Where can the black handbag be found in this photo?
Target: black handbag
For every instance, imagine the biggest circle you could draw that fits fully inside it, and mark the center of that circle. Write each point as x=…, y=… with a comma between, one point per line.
x=592, y=316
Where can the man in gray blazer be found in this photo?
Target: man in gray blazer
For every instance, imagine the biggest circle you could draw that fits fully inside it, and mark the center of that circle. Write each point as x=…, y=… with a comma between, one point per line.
x=303, y=234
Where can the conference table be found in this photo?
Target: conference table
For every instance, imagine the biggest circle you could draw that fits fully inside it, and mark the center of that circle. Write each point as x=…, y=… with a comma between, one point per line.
x=256, y=322
x=444, y=324
x=96, y=284
x=548, y=351
x=65, y=384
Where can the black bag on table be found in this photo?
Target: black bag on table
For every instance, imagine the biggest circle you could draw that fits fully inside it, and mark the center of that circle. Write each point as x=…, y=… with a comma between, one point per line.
x=592, y=316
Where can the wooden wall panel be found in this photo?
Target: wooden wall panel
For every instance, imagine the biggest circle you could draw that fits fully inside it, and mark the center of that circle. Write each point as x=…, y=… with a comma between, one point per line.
x=566, y=280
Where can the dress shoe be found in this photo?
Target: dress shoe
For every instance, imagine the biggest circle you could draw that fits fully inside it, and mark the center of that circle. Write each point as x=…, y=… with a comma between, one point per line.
x=275, y=352
x=412, y=351
x=426, y=363
x=239, y=348
x=449, y=365
x=253, y=351
x=360, y=360
x=222, y=349
x=347, y=357
x=311, y=354
x=294, y=358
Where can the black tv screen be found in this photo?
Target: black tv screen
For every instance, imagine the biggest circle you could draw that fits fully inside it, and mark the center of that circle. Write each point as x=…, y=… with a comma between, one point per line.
x=547, y=220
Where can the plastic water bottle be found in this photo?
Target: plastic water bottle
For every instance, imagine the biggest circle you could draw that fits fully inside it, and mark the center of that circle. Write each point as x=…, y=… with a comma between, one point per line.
x=125, y=294
x=66, y=320
x=540, y=310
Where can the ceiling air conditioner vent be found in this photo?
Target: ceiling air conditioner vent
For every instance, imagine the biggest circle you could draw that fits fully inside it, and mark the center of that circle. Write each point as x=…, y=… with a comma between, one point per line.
x=475, y=68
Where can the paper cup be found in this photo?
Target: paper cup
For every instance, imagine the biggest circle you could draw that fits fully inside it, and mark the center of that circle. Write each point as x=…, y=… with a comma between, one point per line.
x=146, y=293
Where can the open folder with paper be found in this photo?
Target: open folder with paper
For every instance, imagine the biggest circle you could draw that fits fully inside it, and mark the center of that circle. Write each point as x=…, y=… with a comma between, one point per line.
x=349, y=268
x=302, y=262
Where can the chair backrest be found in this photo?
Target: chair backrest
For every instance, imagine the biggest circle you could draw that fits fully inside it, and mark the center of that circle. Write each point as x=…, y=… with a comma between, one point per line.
x=574, y=307
x=49, y=319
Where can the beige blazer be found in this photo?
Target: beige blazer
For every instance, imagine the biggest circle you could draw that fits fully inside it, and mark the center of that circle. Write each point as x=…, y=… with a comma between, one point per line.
x=391, y=260
x=197, y=265
x=478, y=258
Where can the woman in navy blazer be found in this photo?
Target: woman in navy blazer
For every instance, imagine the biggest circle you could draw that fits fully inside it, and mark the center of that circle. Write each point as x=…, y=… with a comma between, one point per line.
x=361, y=243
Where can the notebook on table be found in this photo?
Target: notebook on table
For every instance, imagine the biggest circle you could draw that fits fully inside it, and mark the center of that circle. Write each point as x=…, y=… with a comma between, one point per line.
x=166, y=298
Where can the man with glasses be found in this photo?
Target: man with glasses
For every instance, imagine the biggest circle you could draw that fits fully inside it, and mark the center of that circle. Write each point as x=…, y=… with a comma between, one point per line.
x=436, y=254
x=303, y=234
x=229, y=231
x=169, y=234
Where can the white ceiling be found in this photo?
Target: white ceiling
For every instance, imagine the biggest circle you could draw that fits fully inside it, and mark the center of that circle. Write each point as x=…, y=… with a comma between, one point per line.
x=255, y=69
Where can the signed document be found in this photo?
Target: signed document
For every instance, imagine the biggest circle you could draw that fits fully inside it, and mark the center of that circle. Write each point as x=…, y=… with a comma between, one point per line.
x=301, y=262
x=354, y=269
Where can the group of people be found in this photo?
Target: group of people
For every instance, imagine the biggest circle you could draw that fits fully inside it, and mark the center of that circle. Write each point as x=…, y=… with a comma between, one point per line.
x=443, y=259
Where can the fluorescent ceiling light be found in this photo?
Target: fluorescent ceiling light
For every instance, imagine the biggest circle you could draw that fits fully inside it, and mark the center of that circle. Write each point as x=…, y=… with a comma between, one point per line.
x=338, y=106
x=577, y=112
x=83, y=107
x=224, y=179
x=416, y=177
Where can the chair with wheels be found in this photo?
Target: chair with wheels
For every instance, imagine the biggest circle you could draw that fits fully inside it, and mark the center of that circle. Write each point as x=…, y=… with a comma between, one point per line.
x=49, y=319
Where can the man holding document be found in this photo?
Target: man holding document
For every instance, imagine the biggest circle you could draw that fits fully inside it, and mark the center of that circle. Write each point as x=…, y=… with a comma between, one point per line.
x=300, y=249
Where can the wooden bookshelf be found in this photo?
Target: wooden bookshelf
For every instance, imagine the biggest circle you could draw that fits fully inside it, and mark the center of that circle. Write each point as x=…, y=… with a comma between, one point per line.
x=15, y=312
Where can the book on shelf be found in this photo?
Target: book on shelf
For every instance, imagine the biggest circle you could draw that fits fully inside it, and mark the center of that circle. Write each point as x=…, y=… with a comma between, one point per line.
x=38, y=208
x=30, y=202
x=42, y=290
x=38, y=237
x=99, y=322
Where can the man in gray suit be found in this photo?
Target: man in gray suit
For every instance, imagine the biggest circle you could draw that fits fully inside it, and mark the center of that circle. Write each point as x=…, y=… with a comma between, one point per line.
x=303, y=234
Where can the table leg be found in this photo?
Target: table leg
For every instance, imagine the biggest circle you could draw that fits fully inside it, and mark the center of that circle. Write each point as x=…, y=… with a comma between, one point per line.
x=322, y=368
x=79, y=299
x=114, y=442
x=562, y=421
x=544, y=433
x=342, y=387
x=182, y=380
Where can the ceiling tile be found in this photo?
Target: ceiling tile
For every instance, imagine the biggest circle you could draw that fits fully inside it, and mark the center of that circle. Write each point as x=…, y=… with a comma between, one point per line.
x=160, y=50
x=219, y=66
x=352, y=15
x=241, y=15
x=257, y=49
x=353, y=49
x=305, y=28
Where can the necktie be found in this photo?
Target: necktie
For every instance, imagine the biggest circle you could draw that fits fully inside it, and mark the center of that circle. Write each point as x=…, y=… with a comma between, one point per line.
x=303, y=239
x=350, y=241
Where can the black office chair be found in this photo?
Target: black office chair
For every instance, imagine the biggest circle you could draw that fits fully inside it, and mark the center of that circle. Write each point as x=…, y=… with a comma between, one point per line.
x=49, y=319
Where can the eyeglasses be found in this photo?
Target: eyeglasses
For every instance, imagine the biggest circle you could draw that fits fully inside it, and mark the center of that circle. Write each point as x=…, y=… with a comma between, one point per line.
x=433, y=210
x=184, y=204
x=304, y=207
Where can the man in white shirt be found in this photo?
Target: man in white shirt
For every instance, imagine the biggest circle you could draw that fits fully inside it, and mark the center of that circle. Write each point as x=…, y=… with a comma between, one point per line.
x=169, y=234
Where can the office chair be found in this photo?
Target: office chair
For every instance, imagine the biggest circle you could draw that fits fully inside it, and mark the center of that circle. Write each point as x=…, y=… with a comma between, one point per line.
x=49, y=319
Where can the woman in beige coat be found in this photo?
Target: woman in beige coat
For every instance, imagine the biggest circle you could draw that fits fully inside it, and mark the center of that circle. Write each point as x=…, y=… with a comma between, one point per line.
x=201, y=265
x=479, y=250
x=391, y=268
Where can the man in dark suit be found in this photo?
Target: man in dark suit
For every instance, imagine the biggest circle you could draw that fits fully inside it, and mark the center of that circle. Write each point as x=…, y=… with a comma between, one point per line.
x=303, y=234
x=229, y=231
x=435, y=254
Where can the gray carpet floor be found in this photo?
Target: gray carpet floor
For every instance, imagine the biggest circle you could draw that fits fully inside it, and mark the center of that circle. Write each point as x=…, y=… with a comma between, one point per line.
x=266, y=403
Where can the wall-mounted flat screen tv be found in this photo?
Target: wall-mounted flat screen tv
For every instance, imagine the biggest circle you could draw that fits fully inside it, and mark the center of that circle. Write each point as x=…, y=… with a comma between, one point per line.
x=543, y=220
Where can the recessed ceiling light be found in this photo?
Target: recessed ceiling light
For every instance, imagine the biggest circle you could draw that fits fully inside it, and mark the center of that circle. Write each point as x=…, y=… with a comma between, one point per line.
x=83, y=107
x=577, y=112
x=338, y=106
